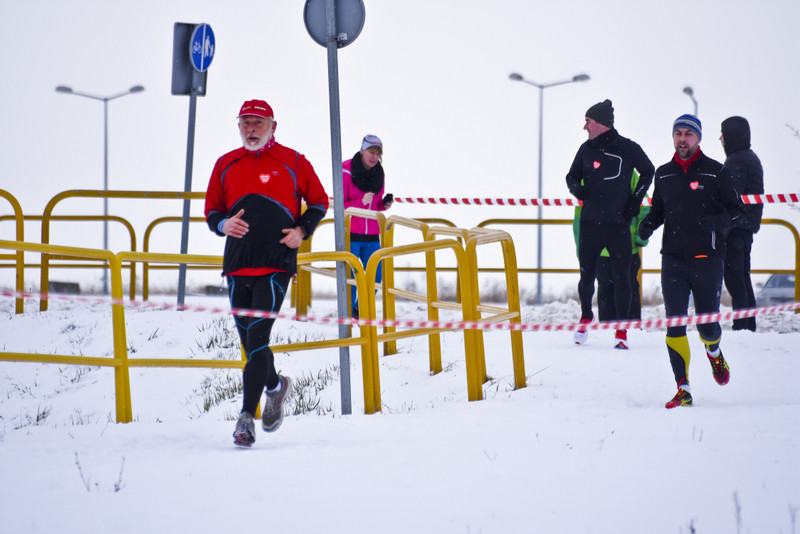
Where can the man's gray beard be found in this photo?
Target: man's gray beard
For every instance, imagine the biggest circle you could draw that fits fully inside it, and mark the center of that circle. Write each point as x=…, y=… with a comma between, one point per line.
x=264, y=140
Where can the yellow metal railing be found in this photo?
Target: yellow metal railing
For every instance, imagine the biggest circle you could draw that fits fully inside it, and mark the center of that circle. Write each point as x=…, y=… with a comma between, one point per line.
x=146, y=267
x=464, y=247
x=86, y=264
x=463, y=243
x=512, y=312
x=120, y=360
x=47, y=216
x=431, y=288
x=302, y=283
x=301, y=288
x=474, y=384
x=18, y=257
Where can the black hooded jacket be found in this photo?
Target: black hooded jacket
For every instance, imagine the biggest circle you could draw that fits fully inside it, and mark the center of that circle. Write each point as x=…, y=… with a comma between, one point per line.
x=744, y=168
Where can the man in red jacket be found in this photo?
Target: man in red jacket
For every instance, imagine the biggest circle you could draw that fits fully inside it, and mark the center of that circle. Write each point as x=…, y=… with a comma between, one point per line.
x=254, y=198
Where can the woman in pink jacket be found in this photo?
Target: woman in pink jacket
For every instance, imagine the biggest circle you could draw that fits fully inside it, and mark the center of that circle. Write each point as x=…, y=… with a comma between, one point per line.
x=363, y=185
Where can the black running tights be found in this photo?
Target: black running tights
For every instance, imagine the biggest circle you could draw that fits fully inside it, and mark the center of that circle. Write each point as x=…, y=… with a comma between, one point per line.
x=262, y=293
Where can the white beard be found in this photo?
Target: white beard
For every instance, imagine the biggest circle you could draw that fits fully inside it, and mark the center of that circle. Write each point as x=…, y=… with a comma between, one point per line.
x=255, y=147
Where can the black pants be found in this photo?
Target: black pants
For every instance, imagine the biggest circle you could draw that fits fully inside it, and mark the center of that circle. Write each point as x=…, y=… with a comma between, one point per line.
x=737, y=275
x=606, y=310
x=592, y=239
x=262, y=293
x=702, y=277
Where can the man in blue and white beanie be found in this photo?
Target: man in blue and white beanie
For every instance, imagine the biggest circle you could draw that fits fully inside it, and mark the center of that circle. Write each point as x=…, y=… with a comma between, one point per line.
x=696, y=202
x=691, y=122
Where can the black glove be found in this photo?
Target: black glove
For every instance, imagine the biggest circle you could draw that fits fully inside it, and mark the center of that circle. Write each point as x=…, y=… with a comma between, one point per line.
x=632, y=208
x=579, y=192
x=742, y=222
x=388, y=199
x=645, y=233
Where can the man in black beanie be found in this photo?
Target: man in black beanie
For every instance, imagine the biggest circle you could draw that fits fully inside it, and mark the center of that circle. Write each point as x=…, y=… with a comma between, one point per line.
x=602, y=112
x=601, y=176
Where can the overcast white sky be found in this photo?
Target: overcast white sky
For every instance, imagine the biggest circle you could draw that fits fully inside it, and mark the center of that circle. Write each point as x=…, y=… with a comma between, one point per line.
x=430, y=77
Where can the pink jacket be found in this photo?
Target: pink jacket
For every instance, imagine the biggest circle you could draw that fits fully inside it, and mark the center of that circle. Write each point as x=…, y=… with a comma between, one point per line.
x=353, y=198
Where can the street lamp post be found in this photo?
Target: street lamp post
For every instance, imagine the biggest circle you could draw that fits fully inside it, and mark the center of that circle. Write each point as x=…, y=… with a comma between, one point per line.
x=104, y=99
x=542, y=86
x=689, y=91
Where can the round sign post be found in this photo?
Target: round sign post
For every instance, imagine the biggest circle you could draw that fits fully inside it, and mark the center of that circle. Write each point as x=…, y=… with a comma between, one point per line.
x=349, y=15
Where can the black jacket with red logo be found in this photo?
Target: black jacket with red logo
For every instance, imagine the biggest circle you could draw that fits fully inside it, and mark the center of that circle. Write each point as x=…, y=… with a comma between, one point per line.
x=681, y=202
x=600, y=176
x=270, y=186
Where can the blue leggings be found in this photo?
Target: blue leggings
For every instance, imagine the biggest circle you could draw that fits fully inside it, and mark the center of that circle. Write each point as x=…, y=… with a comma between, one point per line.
x=363, y=250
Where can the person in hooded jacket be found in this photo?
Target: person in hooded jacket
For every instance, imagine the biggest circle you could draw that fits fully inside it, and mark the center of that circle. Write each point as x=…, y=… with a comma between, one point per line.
x=363, y=187
x=748, y=177
x=600, y=177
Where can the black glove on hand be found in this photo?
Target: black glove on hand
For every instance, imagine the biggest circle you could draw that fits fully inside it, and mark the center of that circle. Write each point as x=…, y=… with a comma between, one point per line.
x=388, y=199
x=579, y=192
x=632, y=208
x=742, y=222
x=645, y=233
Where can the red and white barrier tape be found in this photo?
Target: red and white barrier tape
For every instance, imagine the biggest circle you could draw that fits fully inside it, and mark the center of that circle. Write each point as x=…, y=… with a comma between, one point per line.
x=785, y=198
x=490, y=201
x=412, y=323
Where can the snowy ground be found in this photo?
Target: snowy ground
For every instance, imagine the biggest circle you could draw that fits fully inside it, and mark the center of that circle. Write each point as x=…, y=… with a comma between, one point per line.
x=586, y=447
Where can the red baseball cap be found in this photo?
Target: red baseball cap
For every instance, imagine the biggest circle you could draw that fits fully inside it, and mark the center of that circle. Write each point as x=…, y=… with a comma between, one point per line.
x=258, y=108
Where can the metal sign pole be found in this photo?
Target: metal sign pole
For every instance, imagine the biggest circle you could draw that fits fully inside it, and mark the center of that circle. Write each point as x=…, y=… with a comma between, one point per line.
x=193, y=50
x=334, y=24
x=186, y=203
x=338, y=201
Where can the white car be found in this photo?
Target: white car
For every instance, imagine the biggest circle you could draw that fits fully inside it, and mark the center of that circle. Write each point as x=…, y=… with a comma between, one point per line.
x=779, y=289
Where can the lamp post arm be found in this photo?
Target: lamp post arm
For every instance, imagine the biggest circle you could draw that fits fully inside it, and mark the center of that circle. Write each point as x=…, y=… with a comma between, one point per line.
x=553, y=84
x=113, y=97
x=132, y=90
x=87, y=95
x=546, y=85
